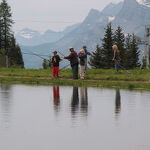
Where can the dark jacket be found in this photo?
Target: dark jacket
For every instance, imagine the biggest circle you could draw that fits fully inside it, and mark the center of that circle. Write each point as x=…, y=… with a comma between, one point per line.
x=73, y=58
x=82, y=57
x=55, y=61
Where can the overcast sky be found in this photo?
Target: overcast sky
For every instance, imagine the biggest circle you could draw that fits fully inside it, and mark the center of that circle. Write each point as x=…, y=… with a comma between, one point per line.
x=52, y=14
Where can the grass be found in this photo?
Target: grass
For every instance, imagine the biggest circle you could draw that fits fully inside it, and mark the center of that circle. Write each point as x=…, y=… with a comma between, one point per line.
x=95, y=77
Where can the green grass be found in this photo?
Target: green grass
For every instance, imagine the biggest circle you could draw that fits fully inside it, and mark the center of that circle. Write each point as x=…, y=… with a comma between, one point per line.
x=95, y=77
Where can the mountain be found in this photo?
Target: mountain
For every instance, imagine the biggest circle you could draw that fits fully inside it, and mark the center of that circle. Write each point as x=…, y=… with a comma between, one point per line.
x=29, y=37
x=87, y=33
x=133, y=16
x=112, y=9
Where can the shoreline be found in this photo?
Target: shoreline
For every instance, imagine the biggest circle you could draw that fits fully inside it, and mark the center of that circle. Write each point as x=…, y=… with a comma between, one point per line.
x=143, y=85
x=105, y=78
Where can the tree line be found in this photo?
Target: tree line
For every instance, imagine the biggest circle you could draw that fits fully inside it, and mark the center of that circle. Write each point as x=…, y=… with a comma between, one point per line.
x=10, y=52
x=128, y=46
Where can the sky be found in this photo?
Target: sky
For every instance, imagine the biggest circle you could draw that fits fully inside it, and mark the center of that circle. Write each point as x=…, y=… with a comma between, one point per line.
x=42, y=15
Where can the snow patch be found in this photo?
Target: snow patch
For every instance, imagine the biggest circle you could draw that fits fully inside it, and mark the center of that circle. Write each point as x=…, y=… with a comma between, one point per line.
x=144, y=3
x=27, y=36
x=111, y=18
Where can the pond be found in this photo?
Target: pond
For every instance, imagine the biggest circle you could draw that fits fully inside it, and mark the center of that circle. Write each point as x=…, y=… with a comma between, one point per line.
x=73, y=118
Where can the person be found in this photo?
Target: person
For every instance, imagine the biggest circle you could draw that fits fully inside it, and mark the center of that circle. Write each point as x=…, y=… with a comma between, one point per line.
x=116, y=57
x=73, y=58
x=82, y=62
x=87, y=53
x=55, y=65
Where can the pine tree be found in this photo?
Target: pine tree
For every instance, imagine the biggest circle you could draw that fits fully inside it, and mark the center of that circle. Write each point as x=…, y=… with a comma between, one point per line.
x=6, y=24
x=96, y=59
x=128, y=51
x=0, y=31
x=132, y=52
x=107, y=42
x=8, y=47
x=15, y=55
x=119, y=40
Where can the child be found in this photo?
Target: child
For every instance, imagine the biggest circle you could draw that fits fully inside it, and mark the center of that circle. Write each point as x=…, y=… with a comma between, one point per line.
x=55, y=63
x=82, y=61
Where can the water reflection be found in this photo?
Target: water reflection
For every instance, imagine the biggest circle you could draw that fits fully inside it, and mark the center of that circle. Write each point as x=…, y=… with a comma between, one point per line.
x=56, y=98
x=82, y=107
x=117, y=102
x=84, y=100
x=33, y=117
x=5, y=104
x=74, y=101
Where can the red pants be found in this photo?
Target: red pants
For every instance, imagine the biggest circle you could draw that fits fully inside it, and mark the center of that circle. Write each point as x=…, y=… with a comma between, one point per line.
x=55, y=72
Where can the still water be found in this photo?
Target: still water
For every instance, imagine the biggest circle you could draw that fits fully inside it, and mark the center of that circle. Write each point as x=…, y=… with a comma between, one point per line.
x=71, y=118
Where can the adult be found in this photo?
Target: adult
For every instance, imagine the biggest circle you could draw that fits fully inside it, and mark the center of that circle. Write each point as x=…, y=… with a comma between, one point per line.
x=87, y=53
x=116, y=57
x=82, y=56
x=73, y=58
x=55, y=65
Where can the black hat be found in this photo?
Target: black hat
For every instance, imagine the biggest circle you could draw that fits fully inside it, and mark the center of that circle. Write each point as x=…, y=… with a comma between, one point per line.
x=84, y=46
x=54, y=51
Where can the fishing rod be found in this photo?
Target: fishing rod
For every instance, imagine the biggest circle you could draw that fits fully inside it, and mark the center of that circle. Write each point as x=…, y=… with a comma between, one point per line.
x=38, y=55
x=61, y=53
x=64, y=67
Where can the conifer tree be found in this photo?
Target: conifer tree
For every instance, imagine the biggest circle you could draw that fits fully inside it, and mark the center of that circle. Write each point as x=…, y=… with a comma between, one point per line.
x=128, y=51
x=6, y=24
x=15, y=55
x=132, y=53
x=8, y=47
x=107, y=42
x=96, y=58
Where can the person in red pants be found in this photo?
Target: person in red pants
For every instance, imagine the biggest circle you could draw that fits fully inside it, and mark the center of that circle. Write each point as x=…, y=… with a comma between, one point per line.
x=55, y=63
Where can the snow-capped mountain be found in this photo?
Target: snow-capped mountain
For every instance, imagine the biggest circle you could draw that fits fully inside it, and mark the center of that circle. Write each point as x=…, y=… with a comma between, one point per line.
x=28, y=37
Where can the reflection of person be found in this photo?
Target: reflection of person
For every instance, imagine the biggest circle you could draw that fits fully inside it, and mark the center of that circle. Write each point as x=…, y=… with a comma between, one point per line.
x=116, y=57
x=73, y=58
x=117, y=102
x=82, y=57
x=74, y=100
x=55, y=62
x=56, y=96
x=84, y=100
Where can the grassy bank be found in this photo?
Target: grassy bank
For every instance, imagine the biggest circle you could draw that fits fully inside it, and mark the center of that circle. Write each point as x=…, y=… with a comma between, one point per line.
x=95, y=77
